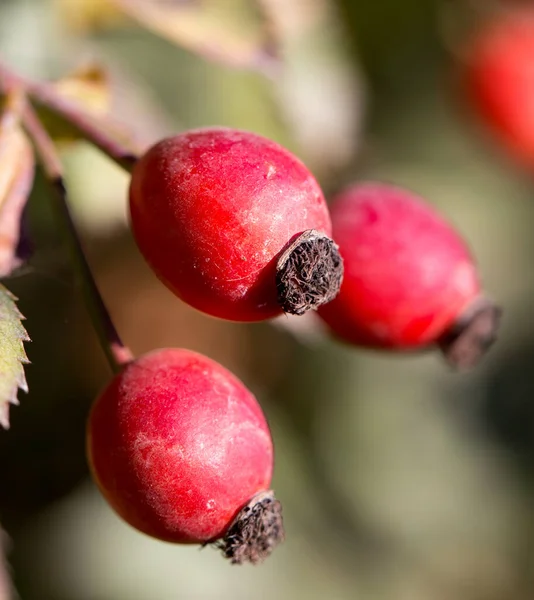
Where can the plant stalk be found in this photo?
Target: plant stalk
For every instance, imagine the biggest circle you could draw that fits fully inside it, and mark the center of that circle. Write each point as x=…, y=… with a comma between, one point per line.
x=91, y=129
x=116, y=352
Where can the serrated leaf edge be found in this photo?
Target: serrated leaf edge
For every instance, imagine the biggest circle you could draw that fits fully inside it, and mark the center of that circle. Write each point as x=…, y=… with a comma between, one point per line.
x=21, y=382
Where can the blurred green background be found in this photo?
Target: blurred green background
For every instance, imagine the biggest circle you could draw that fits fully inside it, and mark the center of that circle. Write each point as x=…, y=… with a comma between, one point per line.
x=400, y=479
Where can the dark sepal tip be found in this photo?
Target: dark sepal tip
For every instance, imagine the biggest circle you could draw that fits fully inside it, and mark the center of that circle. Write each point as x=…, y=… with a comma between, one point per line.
x=309, y=273
x=471, y=336
x=255, y=532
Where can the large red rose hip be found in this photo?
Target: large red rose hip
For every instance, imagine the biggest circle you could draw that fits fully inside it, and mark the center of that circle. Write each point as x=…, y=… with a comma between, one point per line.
x=215, y=213
x=181, y=450
x=409, y=278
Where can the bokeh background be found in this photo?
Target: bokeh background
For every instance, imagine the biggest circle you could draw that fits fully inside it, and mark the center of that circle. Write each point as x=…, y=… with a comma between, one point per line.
x=401, y=480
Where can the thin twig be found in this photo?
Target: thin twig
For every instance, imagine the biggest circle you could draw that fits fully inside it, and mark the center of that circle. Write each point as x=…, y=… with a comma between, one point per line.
x=6, y=587
x=5, y=583
x=117, y=353
x=95, y=131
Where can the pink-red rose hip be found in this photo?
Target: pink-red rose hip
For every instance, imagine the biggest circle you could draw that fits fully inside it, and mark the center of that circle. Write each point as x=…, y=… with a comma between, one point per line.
x=214, y=211
x=409, y=280
x=179, y=446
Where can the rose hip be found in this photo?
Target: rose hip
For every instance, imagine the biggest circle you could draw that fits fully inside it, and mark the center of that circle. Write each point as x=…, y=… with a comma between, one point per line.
x=498, y=79
x=234, y=224
x=182, y=452
x=409, y=278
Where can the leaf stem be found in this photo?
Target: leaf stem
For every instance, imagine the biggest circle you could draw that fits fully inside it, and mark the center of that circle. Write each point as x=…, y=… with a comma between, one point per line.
x=116, y=352
x=93, y=130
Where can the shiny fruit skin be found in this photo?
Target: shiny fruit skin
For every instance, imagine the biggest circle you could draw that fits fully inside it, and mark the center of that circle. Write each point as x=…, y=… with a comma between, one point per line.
x=211, y=210
x=178, y=445
x=408, y=274
x=499, y=79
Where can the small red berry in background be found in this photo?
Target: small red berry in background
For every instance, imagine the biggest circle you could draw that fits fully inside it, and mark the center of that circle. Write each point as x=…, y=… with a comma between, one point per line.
x=409, y=278
x=181, y=450
x=498, y=78
x=234, y=224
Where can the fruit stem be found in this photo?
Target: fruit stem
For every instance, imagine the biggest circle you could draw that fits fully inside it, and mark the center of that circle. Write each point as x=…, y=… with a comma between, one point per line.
x=116, y=352
x=87, y=126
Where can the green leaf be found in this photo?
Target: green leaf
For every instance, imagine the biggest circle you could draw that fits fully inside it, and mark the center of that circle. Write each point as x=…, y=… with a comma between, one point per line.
x=12, y=354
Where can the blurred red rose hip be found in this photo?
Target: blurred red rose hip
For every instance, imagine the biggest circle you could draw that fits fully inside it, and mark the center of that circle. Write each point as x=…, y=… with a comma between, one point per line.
x=498, y=78
x=409, y=281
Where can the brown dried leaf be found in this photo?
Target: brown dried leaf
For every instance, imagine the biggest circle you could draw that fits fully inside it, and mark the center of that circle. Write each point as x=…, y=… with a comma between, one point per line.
x=89, y=86
x=228, y=33
x=16, y=179
x=12, y=354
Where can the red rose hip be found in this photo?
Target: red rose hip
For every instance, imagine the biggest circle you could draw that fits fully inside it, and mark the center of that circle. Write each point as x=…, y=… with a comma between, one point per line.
x=234, y=225
x=181, y=450
x=499, y=81
x=409, y=278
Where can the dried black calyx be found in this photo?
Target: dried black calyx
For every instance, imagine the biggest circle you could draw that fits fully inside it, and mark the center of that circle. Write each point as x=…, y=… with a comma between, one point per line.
x=308, y=273
x=255, y=532
x=472, y=334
